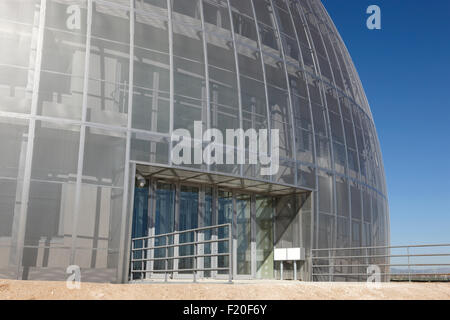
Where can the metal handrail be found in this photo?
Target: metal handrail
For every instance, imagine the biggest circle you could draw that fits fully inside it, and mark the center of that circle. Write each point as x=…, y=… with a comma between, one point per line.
x=332, y=266
x=217, y=226
x=383, y=265
x=181, y=244
x=196, y=243
x=386, y=255
x=386, y=247
x=183, y=257
x=383, y=274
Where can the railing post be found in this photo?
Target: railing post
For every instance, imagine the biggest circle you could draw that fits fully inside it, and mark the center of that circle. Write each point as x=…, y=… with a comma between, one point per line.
x=141, y=249
x=367, y=262
x=132, y=258
x=409, y=265
x=166, y=262
x=195, y=255
x=281, y=270
x=230, y=255
x=330, y=266
x=295, y=270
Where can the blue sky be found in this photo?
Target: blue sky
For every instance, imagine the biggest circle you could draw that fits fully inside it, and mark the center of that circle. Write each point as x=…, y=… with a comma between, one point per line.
x=405, y=71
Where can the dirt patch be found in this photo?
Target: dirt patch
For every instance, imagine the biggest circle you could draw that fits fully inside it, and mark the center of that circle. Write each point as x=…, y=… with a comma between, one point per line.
x=4, y=287
x=258, y=290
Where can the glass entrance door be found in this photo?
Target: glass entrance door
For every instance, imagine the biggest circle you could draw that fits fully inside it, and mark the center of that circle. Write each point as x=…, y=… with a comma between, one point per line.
x=243, y=234
x=163, y=207
x=264, y=237
x=164, y=219
x=224, y=215
x=140, y=226
x=188, y=219
x=140, y=213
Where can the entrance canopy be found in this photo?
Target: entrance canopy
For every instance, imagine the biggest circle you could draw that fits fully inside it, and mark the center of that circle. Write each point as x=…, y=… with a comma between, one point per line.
x=225, y=181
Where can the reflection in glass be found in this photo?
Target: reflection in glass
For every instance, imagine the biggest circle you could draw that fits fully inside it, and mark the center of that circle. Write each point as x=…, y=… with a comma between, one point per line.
x=264, y=238
x=140, y=226
x=164, y=221
x=188, y=220
x=243, y=234
x=225, y=215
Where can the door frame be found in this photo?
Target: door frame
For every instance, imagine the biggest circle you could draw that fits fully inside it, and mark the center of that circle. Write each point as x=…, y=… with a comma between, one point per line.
x=201, y=213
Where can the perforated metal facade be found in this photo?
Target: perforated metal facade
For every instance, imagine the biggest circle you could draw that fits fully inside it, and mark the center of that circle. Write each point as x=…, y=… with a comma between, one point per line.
x=75, y=110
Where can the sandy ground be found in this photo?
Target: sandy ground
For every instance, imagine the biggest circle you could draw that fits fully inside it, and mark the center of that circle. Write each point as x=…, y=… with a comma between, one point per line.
x=273, y=290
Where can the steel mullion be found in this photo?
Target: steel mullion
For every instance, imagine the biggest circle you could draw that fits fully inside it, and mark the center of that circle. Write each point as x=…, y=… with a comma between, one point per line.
x=30, y=144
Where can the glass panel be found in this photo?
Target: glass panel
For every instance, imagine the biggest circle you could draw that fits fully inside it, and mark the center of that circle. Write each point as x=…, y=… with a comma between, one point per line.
x=325, y=192
x=7, y=212
x=225, y=215
x=323, y=152
x=208, y=221
x=253, y=104
x=52, y=190
x=245, y=29
x=20, y=11
x=15, y=41
x=140, y=214
x=342, y=197
x=48, y=224
x=60, y=96
x=100, y=216
x=304, y=144
x=111, y=23
x=164, y=221
x=268, y=39
x=367, y=205
x=151, y=70
x=326, y=231
x=263, y=11
x=151, y=110
x=104, y=157
x=64, y=51
x=16, y=55
x=287, y=226
x=148, y=5
x=188, y=43
x=355, y=193
x=264, y=238
x=188, y=220
x=148, y=148
x=319, y=119
x=250, y=64
x=187, y=111
x=343, y=241
x=108, y=87
x=140, y=227
x=340, y=159
x=242, y=6
x=243, y=234
x=302, y=113
x=189, y=80
x=275, y=72
x=285, y=22
x=151, y=33
x=14, y=133
x=356, y=234
x=216, y=14
x=186, y=7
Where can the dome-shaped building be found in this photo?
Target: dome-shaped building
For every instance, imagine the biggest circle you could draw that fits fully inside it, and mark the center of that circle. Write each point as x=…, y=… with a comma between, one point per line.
x=91, y=92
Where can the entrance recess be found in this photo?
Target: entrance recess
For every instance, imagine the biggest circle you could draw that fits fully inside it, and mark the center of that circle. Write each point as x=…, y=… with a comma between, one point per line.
x=171, y=201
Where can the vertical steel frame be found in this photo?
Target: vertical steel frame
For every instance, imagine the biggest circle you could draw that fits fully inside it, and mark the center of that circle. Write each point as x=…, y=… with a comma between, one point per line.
x=30, y=145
